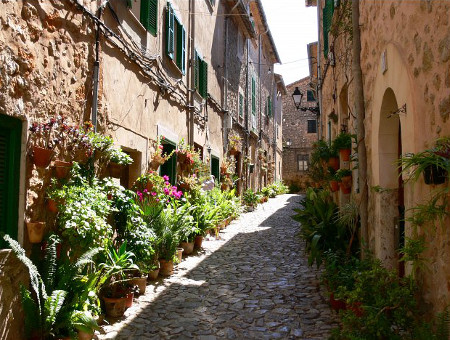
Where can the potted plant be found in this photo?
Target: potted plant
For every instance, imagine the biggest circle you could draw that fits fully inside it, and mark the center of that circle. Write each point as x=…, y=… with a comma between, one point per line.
x=117, y=289
x=334, y=182
x=118, y=159
x=41, y=135
x=159, y=157
x=333, y=160
x=343, y=143
x=234, y=143
x=250, y=199
x=433, y=163
x=345, y=177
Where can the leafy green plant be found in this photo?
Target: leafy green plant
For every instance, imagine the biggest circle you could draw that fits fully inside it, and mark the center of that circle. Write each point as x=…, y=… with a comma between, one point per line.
x=250, y=198
x=342, y=141
x=342, y=173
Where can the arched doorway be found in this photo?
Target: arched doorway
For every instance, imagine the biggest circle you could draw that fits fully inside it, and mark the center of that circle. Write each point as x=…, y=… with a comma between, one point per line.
x=391, y=225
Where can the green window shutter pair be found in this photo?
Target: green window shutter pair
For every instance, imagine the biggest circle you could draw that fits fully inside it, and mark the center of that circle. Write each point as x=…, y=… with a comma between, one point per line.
x=10, y=145
x=241, y=105
x=269, y=106
x=204, y=79
x=170, y=32
x=181, y=47
x=327, y=17
x=149, y=15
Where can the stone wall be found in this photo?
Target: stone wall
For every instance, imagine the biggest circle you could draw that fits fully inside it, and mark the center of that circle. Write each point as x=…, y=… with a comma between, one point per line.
x=12, y=274
x=295, y=130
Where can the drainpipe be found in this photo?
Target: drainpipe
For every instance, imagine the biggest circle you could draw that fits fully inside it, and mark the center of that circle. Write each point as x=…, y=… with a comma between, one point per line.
x=191, y=70
x=96, y=68
x=225, y=94
x=259, y=109
x=247, y=131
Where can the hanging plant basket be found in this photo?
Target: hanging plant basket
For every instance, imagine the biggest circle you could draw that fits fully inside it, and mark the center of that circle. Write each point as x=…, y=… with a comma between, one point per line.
x=42, y=157
x=115, y=170
x=62, y=168
x=345, y=154
x=333, y=162
x=433, y=174
x=35, y=231
x=346, y=184
x=334, y=186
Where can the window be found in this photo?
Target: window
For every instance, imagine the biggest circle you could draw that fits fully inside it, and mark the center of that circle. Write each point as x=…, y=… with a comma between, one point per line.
x=241, y=105
x=312, y=126
x=149, y=15
x=269, y=106
x=10, y=143
x=310, y=96
x=327, y=17
x=176, y=39
x=253, y=94
x=169, y=168
x=302, y=161
x=215, y=168
x=200, y=75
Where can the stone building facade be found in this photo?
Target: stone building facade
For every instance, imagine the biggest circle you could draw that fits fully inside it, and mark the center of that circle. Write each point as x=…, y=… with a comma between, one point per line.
x=138, y=70
x=300, y=132
x=405, y=61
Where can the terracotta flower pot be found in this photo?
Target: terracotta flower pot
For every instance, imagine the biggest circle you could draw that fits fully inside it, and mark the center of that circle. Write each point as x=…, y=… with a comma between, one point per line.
x=337, y=304
x=198, y=242
x=35, y=231
x=188, y=247
x=334, y=186
x=333, y=162
x=346, y=184
x=180, y=254
x=85, y=336
x=62, y=168
x=129, y=300
x=42, y=157
x=149, y=186
x=166, y=268
x=115, y=307
x=52, y=206
x=345, y=154
x=115, y=170
x=153, y=274
x=141, y=282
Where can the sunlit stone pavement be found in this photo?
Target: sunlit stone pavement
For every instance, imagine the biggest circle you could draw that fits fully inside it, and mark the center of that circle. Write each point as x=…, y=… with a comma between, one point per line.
x=254, y=283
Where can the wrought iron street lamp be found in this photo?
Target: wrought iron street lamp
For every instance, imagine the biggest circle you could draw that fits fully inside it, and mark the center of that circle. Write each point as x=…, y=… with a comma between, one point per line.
x=297, y=96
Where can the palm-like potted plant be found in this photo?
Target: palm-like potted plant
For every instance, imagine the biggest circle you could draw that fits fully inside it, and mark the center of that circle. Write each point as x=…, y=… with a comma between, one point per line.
x=234, y=142
x=343, y=143
x=250, y=199
x=433, y=163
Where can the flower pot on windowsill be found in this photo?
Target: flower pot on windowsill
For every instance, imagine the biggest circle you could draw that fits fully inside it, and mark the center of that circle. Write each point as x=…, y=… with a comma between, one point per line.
x=433, y=174
x=346, y=184
x=345, y=154
x=42, y=156
x=35, y=231
x=62, y=168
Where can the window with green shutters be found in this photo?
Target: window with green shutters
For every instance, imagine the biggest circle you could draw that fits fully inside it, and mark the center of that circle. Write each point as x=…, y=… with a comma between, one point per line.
x=10, y=145
x=215, y=168
x=241, y=105
x=149, y=15
x=327, y=17
x=200, y=75
x=175, y=39
x=253, y=94
x=169, y=168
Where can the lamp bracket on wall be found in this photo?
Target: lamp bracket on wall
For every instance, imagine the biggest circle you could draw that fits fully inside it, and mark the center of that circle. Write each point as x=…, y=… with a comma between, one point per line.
x=400, y=110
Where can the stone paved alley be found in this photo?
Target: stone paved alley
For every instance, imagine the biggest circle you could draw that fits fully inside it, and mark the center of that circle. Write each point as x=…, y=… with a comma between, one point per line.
x=254, y=283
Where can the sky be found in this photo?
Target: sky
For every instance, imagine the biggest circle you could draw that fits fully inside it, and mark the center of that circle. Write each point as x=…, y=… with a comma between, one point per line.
x=293, y=26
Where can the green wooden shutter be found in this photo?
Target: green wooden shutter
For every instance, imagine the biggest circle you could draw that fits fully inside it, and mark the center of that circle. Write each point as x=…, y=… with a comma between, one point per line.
x=196, y=71
x=10, y=144
x=327, y=17
x=253, y=96
x=203, y=79
x=241, y=105
x=181, y=46
x=270, y=106
x=149, y=15
x=170, y=31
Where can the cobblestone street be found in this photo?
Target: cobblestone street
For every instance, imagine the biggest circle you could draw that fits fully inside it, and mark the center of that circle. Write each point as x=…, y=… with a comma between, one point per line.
x=254, y=283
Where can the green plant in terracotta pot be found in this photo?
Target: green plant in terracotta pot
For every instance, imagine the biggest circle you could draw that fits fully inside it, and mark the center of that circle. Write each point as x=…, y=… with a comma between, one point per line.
x=343, y=143
x=345, y=177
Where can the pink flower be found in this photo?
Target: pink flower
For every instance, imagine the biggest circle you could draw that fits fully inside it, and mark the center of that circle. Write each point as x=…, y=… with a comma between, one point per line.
x=166, y=191
x=166, y=183
x=174, y=188
x=145, y=191
x=161, y=147
x=153, y=193
x=166, y=178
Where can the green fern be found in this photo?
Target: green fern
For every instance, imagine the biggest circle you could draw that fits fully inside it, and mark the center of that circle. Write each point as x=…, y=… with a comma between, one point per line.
x=83, y=321
x=53, y=305
x=30, y=310
x=50, y=265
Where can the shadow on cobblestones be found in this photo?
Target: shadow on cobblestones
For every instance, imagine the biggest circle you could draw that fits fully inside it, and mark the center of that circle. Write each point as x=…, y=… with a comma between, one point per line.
x=256, y=286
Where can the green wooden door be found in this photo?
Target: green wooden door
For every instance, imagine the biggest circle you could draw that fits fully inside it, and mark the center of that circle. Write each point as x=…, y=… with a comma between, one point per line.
x=169, y=168
x=215, y=168
x=10, y=142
